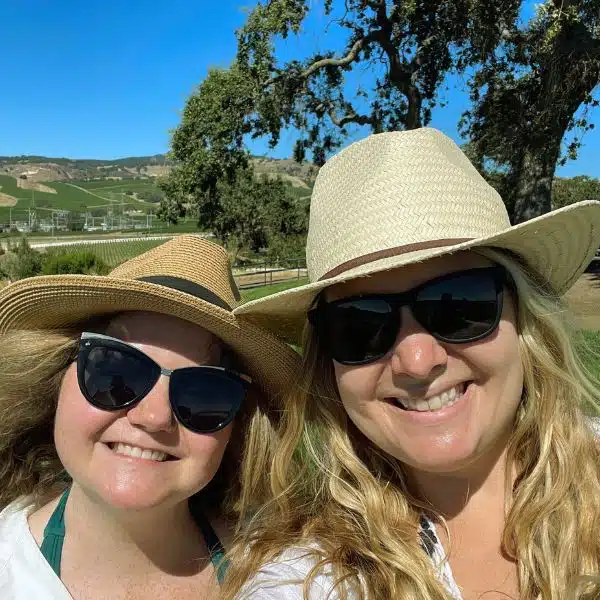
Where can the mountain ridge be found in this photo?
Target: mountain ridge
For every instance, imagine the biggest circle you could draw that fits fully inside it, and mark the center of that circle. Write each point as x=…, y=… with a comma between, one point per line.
x=39, y=168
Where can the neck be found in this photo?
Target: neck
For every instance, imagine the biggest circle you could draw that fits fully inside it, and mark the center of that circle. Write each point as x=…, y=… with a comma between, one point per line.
x=165, y=537
x=477, y=489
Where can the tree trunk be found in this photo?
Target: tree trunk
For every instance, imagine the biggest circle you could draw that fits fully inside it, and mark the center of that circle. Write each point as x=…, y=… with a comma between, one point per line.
x=532, y=191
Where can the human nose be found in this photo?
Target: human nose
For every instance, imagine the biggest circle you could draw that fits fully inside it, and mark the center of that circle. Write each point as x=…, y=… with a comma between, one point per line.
x=153, y=412
x=416, y=353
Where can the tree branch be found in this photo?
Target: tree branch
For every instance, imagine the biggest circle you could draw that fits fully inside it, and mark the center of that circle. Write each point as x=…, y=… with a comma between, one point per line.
x=349, y=118
x=340, y=62
x=401, y=76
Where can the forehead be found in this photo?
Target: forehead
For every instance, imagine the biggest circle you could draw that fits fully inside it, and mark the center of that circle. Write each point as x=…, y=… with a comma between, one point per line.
x=405, y=278
x=164, y=331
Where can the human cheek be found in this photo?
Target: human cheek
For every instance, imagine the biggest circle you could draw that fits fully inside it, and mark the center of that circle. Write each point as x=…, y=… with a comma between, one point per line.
x=205, y=452
x=77, y=422
x=357, y=385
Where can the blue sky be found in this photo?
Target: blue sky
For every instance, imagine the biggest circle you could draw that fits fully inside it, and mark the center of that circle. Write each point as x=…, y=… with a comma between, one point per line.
x=107, y=79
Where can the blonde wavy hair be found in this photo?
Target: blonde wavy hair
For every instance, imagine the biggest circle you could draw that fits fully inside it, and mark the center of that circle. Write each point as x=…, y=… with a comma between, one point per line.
x=336, y=494
x=32, y=366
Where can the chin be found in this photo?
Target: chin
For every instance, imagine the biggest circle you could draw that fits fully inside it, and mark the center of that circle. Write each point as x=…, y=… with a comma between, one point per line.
x=131, y=495
x=445, y=460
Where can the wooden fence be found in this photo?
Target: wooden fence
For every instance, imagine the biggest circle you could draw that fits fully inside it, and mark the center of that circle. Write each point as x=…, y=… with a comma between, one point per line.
x=269, y=273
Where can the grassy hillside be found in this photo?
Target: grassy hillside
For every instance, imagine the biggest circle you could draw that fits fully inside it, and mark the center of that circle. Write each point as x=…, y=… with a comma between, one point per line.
x=67, y=197
x=78, y=196
x=127, y=191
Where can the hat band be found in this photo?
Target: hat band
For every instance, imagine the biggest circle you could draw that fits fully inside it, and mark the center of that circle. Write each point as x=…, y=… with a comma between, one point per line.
x=188, y=287
x=389, y=252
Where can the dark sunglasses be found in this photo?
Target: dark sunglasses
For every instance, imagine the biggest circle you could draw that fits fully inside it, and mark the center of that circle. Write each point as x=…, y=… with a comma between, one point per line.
x=114, y=375
x=457, y=308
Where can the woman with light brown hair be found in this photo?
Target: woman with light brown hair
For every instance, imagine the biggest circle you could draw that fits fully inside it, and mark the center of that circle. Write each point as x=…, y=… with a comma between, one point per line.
x=126, y=402
x=438, y=445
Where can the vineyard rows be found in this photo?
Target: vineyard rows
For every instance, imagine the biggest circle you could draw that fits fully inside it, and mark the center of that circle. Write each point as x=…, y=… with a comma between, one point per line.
x=114, y=253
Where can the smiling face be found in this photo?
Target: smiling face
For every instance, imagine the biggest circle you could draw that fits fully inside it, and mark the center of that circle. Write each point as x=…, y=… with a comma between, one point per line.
x=435, y=406
x=118, y=457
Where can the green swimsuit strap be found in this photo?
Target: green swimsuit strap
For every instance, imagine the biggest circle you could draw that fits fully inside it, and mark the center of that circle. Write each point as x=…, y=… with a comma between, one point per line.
x=215, y=548
x=54, y=534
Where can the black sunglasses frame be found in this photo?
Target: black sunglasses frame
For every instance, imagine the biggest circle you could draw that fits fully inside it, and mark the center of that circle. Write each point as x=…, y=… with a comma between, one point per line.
x=90, y=341
x=322, y=310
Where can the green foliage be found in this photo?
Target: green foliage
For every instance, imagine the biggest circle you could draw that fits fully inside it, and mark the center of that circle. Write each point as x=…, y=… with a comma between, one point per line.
x=575, y=189
x=20, y=261
x=385, y=71
x=115, y=253
x=409, y=48
x=208, y=146
x=286, y=248
x=62, y=262
x=529, y=94
x=257, y=210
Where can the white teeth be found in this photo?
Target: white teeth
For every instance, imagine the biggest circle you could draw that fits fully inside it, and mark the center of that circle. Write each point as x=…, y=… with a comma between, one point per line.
x=137, y=452
x=436, y=402
x=446, y=398
x=422, y=405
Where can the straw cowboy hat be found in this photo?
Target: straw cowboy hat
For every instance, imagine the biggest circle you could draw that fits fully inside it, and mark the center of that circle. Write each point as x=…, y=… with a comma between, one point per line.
x=398, y=198
x=186, y=277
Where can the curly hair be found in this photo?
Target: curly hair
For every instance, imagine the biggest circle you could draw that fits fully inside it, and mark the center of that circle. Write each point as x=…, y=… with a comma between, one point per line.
x=32, y=366
x=347, y=502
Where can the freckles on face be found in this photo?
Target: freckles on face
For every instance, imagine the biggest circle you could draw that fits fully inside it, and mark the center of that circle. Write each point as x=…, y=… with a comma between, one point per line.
x=470, y=392
x=89, y=440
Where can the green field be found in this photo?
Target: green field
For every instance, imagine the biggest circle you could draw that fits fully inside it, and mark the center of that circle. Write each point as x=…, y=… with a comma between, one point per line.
x=116, y=190
x=591, y=352
x=114, y=253
x=76, y=196
x=115, y=184
x=66, y=198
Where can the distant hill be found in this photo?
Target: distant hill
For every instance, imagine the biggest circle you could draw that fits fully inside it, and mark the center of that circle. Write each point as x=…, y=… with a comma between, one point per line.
x=45, y=169
x=45, y=192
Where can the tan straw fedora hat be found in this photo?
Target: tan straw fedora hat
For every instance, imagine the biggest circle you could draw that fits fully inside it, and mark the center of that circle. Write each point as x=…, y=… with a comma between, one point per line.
x=398, y=198
x=186, y=277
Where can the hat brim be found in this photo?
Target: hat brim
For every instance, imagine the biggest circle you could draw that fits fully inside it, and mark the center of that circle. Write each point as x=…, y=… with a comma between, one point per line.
x=62, y=301
x=558, y=246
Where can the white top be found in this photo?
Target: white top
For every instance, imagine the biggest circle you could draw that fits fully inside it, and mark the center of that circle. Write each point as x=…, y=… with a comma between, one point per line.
x=24, y=572
x=284, y=578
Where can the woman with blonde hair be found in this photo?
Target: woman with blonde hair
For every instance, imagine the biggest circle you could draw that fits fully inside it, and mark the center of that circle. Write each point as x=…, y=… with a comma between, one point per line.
x=438, y=445
x=125, y=405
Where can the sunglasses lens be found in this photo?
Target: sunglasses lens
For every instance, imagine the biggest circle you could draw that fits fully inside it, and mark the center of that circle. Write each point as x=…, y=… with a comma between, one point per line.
x=462, y=308
x=205, y=400
x=360, y=330
x=112, y=378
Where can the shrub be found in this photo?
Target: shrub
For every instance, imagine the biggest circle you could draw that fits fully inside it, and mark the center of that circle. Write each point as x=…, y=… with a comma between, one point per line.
x=82, y=262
